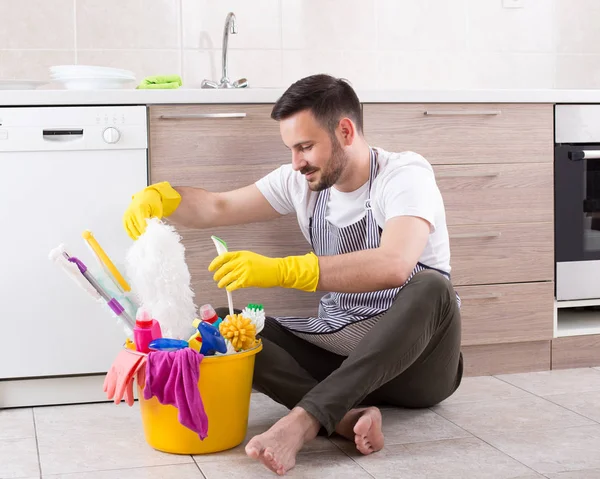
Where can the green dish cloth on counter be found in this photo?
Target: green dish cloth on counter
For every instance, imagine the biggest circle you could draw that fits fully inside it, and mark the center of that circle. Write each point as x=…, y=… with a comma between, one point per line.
x=160, y=82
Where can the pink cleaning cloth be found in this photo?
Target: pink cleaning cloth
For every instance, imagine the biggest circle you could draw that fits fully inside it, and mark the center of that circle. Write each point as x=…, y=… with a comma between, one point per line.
x=172, y=376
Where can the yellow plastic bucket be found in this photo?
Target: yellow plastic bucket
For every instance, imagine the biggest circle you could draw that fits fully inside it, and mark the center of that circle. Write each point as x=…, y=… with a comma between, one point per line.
x=225, y=385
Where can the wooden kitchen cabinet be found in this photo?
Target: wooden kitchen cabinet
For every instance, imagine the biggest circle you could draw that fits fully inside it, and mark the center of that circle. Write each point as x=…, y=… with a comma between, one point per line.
x=576, y=351
x=506, y=313
x=496, y=193
x=522, y=357
x=493, y=165
x=501, y=253
x=464, y=133
x=190, y=146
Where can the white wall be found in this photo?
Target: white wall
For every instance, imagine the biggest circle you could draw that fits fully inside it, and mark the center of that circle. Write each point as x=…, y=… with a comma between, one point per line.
x=375, y=43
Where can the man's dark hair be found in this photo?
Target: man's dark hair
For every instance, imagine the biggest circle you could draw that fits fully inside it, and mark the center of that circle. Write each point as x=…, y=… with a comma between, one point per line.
x=328, y=98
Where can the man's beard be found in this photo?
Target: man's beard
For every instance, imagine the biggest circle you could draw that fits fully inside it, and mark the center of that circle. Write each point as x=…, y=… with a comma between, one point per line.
x=335, y=168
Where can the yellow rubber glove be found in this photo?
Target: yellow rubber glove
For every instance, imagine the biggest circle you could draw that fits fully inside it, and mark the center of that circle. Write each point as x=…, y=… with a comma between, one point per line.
x=244, y=269
x=158, y=200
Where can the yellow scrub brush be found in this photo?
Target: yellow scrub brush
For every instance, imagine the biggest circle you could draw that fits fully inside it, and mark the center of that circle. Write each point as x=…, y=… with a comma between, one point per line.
x=239, y=330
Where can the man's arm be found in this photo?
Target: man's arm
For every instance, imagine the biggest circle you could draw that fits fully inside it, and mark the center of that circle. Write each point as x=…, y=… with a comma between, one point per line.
x=204, y=209
x=403, y=240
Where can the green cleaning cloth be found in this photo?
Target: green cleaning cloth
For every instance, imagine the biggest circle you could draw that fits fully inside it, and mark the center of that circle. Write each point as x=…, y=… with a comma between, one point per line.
x=160, y=82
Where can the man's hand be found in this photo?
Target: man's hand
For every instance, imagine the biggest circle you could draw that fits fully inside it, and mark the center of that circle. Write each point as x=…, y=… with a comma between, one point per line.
x=154, y=201
x=245, y=269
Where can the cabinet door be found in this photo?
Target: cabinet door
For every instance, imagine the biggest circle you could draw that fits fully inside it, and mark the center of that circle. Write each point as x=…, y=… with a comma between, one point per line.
x=220, y=148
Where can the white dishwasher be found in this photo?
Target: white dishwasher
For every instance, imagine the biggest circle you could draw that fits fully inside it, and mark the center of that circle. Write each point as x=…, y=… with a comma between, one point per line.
x=63, y=170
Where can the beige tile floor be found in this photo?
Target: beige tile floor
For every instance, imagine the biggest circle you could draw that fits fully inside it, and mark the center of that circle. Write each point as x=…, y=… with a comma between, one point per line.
x=519, y=426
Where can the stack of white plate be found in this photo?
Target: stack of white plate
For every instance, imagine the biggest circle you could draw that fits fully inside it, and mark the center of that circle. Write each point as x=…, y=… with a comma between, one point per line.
x=85, y=77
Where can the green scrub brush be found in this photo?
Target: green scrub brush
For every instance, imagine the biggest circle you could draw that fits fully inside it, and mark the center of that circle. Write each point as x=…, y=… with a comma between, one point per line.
x=256, y=314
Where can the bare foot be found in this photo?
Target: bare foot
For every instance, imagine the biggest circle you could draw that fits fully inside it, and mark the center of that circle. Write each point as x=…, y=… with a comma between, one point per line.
x=277, y=448
x=363, y=426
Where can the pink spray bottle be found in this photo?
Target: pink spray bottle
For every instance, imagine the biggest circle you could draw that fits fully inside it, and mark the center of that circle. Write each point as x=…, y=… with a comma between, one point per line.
x=146, y=329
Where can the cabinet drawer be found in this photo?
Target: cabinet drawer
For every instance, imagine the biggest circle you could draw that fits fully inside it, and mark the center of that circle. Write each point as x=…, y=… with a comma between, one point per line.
x=184, y=137
x=496, y=193
x=463, y=133
x=501, y=253
x=506, y=313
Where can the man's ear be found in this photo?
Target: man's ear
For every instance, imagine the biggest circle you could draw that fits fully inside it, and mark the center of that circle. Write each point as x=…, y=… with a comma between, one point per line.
x=347, y=131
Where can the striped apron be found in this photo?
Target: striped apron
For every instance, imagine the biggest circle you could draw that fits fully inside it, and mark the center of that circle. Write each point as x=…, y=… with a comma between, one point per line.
x=344, y=318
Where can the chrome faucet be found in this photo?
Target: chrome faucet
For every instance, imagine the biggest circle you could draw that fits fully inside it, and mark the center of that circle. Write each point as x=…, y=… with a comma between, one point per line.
x=230, y=27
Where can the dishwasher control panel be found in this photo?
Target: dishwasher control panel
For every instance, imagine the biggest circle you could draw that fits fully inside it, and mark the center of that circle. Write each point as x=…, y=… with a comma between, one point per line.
x=111, y=118
x=73, y=128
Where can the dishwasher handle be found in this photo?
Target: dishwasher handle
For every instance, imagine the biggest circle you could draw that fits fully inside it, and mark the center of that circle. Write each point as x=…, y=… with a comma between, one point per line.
x=62, y=134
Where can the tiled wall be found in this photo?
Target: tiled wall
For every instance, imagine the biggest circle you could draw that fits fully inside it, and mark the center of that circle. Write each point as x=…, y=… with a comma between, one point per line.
x=374, y=43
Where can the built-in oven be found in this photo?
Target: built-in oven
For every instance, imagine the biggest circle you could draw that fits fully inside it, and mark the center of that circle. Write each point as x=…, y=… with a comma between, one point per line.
x=577, y=202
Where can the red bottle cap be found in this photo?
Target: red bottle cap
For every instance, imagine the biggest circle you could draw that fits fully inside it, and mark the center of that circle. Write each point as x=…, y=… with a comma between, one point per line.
x=143, y=318
x=208, y=313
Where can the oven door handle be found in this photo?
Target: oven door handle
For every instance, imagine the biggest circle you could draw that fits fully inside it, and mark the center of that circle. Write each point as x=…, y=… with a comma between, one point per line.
x=584, y=155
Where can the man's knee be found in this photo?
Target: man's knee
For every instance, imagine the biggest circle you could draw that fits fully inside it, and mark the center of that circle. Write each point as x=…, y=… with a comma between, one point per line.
x=431, y=284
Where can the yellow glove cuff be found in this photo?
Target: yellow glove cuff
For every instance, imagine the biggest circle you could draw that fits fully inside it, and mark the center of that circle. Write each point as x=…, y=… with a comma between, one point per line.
x=170, y=198
x=300, y=272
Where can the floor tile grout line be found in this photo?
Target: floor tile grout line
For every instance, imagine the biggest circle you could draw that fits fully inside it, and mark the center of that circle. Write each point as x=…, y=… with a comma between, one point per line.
x=37, y=444
x=452, y=422
x=351, y=458
x=541, y=397
x=568, y=409
x=127, y=468
x=518, y=431
x=530, y=392
x=545, y=398
x=491, y=445
x=198, y=466
x=518, y=387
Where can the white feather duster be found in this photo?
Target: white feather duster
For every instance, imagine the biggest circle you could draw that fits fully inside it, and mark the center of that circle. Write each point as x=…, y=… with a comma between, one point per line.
x=160, y=279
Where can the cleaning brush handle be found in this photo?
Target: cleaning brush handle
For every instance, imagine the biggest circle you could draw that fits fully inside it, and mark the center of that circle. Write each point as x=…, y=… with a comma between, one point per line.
x=230, y=303
x=222, y=248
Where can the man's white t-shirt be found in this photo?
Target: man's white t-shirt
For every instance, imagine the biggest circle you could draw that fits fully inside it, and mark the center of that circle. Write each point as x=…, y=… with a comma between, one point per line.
x=404, y=186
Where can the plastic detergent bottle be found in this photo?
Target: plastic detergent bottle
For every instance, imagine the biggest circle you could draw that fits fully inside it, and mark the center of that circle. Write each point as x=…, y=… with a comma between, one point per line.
x=146, y=329
x=208, y=314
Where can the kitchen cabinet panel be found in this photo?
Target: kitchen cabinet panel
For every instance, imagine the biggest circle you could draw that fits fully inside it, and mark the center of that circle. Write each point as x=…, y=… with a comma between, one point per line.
x=506, y=313
x=464, y=133
x=576, y=352
x=496, y=193
x=183, y=137
x=510, y=358
x=501, y=253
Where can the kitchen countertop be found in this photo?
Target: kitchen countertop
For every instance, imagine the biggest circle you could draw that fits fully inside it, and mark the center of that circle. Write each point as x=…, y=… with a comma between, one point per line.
x=270, y=95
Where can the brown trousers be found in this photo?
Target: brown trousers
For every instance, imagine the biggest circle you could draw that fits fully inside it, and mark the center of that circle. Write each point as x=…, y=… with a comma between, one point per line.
x=410, y=358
